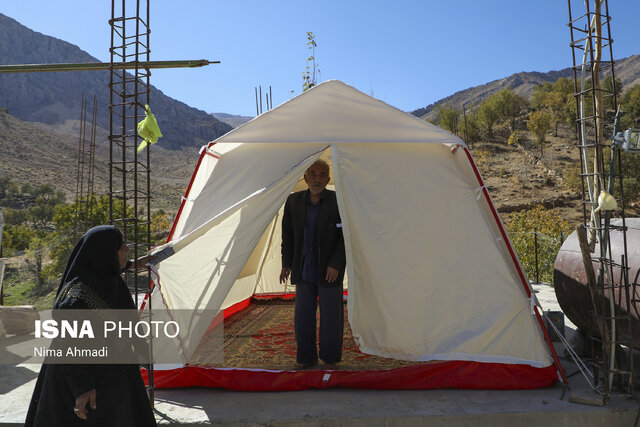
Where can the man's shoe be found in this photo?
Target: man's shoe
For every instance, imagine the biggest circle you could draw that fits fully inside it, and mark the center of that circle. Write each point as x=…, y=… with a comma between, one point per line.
x=307, y=365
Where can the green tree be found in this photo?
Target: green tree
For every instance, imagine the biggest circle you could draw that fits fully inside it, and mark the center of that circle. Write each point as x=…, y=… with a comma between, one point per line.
x=12, y=191
x=557, y=98
x=35, y=260
x=556, y=103
x=488, y=115
x=509, y=105
x=27, y=188
x=539, y=124
x=16, y=237
x=43, y=200
x=46, y=199
x=539, y=95
x=630, y=173
x=549, y=227
x=15, y=216
x=65, y=215
x=62, y=240
x=17, y=233
x=5, y=183
x=59, y=246
x=449, y=118
x=564, y=86
x=587, y=99
x=607, y=85
x=472, y=128
x=631, y=107
x=160, y=227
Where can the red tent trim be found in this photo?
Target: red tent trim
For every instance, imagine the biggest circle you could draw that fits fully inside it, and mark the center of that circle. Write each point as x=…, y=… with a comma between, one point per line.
x=435, y=375
x=186, y=194
x=505, y=237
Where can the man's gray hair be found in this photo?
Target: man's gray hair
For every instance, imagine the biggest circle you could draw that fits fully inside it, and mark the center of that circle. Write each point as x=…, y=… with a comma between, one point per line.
x=320, y=162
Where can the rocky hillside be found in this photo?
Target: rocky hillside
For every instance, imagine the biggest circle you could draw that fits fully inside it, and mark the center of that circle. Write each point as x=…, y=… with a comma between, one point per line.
x=520, y=178
x=54, y=98
x=524, y=83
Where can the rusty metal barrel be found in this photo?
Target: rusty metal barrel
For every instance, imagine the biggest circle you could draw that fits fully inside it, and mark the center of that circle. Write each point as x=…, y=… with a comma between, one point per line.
x=572, y=292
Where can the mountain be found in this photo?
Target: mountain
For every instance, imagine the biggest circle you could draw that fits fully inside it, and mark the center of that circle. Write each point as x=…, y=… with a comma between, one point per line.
x=54, y=98
x=524, y=83
x=231, y=119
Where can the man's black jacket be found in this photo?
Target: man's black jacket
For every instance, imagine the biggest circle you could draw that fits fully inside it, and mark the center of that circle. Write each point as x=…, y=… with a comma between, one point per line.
x=328, y=237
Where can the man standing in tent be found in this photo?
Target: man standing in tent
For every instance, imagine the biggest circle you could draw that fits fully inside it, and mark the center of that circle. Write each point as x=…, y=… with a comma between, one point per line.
x=313, y=253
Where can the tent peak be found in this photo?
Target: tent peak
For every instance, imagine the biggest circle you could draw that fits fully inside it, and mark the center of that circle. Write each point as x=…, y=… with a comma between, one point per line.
x=333, y=112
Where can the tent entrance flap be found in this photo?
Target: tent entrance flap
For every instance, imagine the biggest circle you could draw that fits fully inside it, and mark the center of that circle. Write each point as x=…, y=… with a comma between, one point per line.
x=221, y=249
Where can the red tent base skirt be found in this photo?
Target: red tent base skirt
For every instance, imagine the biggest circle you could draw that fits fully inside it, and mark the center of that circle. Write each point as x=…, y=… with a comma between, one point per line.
x=436, y=375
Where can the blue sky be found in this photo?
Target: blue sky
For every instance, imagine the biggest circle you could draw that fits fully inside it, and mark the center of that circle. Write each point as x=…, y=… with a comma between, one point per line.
x=408, y=53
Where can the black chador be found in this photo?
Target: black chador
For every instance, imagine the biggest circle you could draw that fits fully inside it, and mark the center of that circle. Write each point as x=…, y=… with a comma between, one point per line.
x=92, y=280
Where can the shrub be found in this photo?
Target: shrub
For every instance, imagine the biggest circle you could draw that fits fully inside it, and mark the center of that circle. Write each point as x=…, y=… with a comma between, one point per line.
x=523, y=227
x=16, y=238
x=572, y=179
x=514, y=138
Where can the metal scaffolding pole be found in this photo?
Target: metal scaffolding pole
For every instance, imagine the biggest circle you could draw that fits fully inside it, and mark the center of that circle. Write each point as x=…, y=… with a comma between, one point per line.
x=104, y=66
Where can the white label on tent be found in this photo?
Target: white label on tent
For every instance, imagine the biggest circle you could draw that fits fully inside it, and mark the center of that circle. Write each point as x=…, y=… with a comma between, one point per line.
x=326, y=378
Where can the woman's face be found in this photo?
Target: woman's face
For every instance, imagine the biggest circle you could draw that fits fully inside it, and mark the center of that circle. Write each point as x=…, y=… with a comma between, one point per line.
x=122, y=255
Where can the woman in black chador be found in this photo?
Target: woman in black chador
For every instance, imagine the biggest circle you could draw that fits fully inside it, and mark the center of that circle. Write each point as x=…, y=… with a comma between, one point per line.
x=92, y=395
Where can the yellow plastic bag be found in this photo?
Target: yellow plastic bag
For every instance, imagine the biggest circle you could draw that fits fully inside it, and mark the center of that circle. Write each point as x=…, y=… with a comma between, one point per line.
x=606, y=202
x=148, y=129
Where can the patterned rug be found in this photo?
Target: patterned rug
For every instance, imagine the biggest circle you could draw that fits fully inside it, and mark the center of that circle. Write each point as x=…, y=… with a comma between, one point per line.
x=262, y=337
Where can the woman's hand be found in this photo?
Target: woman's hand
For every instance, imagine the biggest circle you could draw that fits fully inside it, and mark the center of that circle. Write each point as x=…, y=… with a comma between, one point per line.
x=142, y=261
x=81, y=403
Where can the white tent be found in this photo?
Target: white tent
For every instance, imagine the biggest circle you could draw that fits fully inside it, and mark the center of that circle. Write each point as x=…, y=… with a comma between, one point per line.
x=431, y=274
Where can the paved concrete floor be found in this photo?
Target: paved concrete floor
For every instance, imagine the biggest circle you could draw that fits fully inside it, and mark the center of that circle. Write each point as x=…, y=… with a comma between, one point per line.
x=341, y=407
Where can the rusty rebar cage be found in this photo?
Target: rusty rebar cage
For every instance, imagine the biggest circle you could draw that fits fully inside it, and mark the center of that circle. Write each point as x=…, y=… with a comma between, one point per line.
x=596, y=97
x=85, y=197
x=129, y=170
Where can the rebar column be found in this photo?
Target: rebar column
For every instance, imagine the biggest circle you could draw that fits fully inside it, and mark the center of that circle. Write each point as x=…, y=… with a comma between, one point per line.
x=85, y=197
x=596, y=106
x=129, y=170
